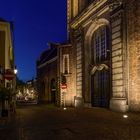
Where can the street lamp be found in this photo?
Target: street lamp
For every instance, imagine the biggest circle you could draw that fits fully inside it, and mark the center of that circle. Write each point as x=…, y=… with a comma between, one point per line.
x=15, y=71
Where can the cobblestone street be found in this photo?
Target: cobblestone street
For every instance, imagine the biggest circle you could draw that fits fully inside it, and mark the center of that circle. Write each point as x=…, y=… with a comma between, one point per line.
x=42, y=122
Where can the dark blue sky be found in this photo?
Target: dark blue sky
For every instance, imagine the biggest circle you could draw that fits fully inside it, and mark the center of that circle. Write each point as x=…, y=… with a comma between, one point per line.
x=36, y=23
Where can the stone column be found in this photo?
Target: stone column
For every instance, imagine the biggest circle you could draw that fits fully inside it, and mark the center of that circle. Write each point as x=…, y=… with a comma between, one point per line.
x=118, y=100
x=74, y=8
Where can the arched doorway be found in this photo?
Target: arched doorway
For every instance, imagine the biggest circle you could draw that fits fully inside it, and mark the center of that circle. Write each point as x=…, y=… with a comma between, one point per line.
x=100, y=59
x=53, y=91
x=100, y=88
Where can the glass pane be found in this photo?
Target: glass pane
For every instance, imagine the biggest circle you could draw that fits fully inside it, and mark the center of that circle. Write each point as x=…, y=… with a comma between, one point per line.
x=100, y=44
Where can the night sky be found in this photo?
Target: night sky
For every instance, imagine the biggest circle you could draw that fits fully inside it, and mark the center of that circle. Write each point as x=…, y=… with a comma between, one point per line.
x=36, y=22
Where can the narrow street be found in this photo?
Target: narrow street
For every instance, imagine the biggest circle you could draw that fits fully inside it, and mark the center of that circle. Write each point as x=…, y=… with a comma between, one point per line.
x=42, y=122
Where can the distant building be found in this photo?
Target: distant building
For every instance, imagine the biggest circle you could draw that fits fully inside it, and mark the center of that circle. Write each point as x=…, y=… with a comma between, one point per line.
x=32, y=84
x=47, y=75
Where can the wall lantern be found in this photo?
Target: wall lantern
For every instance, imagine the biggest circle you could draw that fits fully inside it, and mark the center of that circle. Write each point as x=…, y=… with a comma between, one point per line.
x=15, y=70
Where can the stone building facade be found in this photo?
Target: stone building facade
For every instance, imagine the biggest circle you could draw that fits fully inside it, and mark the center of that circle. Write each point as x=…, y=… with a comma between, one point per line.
x=7, y=64
x=105, y=38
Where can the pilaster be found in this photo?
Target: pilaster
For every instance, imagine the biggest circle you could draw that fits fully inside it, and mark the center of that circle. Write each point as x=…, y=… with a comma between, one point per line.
x=79, y=75
x=118, y=101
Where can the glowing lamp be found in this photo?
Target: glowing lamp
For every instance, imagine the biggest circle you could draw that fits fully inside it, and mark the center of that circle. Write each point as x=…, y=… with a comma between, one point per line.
x=125, y=116
x=15, y=71
x=65, y=108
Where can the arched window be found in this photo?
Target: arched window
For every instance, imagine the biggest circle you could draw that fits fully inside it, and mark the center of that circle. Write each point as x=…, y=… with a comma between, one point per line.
x=100, y=45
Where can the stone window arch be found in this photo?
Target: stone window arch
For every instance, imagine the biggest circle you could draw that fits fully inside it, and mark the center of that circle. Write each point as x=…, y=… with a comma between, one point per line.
x=97, y=25
x=100, y=45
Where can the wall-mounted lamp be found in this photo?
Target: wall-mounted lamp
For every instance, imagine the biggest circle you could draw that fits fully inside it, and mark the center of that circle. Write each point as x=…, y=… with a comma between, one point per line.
x=15, y=70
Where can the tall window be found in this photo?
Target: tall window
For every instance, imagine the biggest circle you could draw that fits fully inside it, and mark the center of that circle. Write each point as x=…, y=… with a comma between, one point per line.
x=100, y=45
x=66, y=63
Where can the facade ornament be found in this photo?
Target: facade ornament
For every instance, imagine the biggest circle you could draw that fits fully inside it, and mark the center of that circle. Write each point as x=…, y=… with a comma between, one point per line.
x=98, y=68
x=114, y=4
x=78, y=33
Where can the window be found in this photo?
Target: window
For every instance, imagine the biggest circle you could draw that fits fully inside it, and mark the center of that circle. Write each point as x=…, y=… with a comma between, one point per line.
x=66, y=63
x=100, y=45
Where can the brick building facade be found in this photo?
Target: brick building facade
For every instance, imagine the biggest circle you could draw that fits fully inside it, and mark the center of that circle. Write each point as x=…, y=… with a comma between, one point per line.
x=66, y=74
x=47, y=75
x=56, y=75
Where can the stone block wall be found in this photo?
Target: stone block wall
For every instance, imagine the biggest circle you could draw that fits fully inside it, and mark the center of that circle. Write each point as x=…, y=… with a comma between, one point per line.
x=119, y=100
x=133, y=32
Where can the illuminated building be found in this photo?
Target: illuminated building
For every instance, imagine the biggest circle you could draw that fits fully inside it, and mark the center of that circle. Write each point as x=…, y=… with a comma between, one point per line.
x=66, y=74
x=105, y=35
x=100, y=64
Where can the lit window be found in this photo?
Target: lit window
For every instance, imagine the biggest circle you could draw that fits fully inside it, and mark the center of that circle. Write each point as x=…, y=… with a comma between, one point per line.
x=66, y=63
x=100, y=45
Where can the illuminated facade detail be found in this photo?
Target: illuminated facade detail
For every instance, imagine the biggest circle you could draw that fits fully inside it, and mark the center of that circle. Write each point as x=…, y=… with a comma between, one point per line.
x=79, y=81
x=97, y=42
x=88, y=11
x=66, y=75
x=66, y=63
x=100, y=45
x=99, y=68
x=119, y=77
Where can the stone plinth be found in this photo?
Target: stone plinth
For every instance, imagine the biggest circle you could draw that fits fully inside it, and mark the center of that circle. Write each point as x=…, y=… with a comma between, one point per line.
x=119, y=104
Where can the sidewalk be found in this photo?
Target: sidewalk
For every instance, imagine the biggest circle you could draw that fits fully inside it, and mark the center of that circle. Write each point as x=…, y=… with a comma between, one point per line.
x=4, y=121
